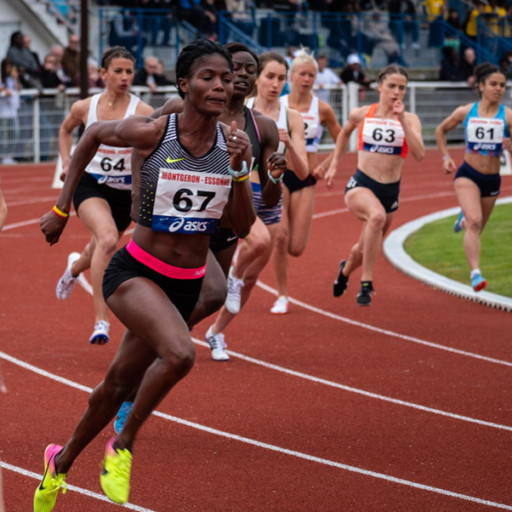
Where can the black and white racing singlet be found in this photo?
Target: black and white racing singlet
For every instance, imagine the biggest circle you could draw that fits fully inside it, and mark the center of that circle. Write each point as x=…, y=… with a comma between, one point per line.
x=181, y=193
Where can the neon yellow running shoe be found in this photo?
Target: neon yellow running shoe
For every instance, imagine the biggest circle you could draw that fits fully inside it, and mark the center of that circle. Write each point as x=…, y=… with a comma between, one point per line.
x=115, y=475
x=46, y=494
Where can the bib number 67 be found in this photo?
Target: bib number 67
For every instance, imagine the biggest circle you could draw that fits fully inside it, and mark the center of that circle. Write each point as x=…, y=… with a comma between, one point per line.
x=183, y=200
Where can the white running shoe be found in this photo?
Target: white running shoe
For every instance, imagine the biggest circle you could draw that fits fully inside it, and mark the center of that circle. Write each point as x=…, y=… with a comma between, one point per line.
x=216, y=342
x=100, y=333
x=234, y=295
x=67, y=282
x=280, y=306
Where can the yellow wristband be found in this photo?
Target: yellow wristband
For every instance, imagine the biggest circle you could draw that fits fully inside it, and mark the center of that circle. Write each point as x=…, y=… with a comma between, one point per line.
x=60, y=213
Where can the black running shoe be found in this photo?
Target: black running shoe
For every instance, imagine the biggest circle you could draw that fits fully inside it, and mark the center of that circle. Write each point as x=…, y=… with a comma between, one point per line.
x=340, y=285
x=364, y=297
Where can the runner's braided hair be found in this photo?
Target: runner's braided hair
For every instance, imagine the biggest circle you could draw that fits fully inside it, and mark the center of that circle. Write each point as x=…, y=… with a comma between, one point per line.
x=194, y=51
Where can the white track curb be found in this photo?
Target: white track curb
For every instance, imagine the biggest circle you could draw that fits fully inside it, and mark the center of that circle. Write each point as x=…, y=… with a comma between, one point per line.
x=395, y=253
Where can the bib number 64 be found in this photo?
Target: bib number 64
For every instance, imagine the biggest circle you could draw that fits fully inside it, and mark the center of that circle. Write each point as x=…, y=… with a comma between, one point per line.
x=108, y=165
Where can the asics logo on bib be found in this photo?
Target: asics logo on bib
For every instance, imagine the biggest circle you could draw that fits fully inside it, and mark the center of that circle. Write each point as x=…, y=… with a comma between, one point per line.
x=188, y=225
x=176, y=225
x=111, y=179
x=382, y=149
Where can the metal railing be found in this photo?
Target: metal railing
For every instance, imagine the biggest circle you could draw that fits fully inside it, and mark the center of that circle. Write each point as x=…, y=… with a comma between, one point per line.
x=33, y=135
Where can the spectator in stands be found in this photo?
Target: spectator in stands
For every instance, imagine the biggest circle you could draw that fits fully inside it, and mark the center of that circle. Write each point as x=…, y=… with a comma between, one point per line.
x=467, y=65
x=194, y=12
x=495, y=14
x=472, y=19
x=124, y=31
x=71, y=59
x=149, y=75
x=403, y=22
x=505, y=65
x=241, y=14
x=453, y=19
x=52, y=108
x=436, y=11
x=325, y=77
x=24, y=60
x=49, y=76
x=28, y=72
x=450, y=65
x=353, y=73
x=95, y=79
x=375, y=30
x=212, y=14
x=58, y=53
x=9, y=105
x=27, y=41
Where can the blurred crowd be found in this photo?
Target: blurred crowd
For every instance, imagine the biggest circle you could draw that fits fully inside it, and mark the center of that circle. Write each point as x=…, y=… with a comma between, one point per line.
x=59, y=68
x=48, y=77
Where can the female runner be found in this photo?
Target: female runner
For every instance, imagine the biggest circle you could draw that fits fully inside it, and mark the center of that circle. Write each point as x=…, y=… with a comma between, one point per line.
x=299, y=195
x=251, y=258
x=487, y=124
x=387, y=133
x=193, y=168
x=102, y=199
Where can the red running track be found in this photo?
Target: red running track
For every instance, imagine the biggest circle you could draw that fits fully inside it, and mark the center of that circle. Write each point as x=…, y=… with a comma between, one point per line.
x=403, y=406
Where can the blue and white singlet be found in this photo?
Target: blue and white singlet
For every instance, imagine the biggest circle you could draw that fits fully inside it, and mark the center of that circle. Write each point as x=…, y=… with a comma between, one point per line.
x=484, y=135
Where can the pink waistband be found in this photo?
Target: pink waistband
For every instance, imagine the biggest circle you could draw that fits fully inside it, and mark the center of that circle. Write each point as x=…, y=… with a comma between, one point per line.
x=163, y=268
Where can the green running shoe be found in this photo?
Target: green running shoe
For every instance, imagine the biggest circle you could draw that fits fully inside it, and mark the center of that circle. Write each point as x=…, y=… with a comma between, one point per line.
x=115, y=475
x=46, y=494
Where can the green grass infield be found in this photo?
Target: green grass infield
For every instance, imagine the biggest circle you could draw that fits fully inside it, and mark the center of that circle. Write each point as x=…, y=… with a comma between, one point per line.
x=438, y=248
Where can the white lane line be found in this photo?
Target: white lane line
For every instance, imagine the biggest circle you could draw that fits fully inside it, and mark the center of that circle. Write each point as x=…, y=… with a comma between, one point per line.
x=351, y=389
x=338, y=465
x=85, y=284
x=387, y=332
x=270, y=447
x=27, y=223
x=362, y=392
x=74, y=488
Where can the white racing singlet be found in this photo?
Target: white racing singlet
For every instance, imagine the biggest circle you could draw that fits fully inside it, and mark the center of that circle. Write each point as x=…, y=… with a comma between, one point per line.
x=110, y=165
x=282, y=122
x=313, y=129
